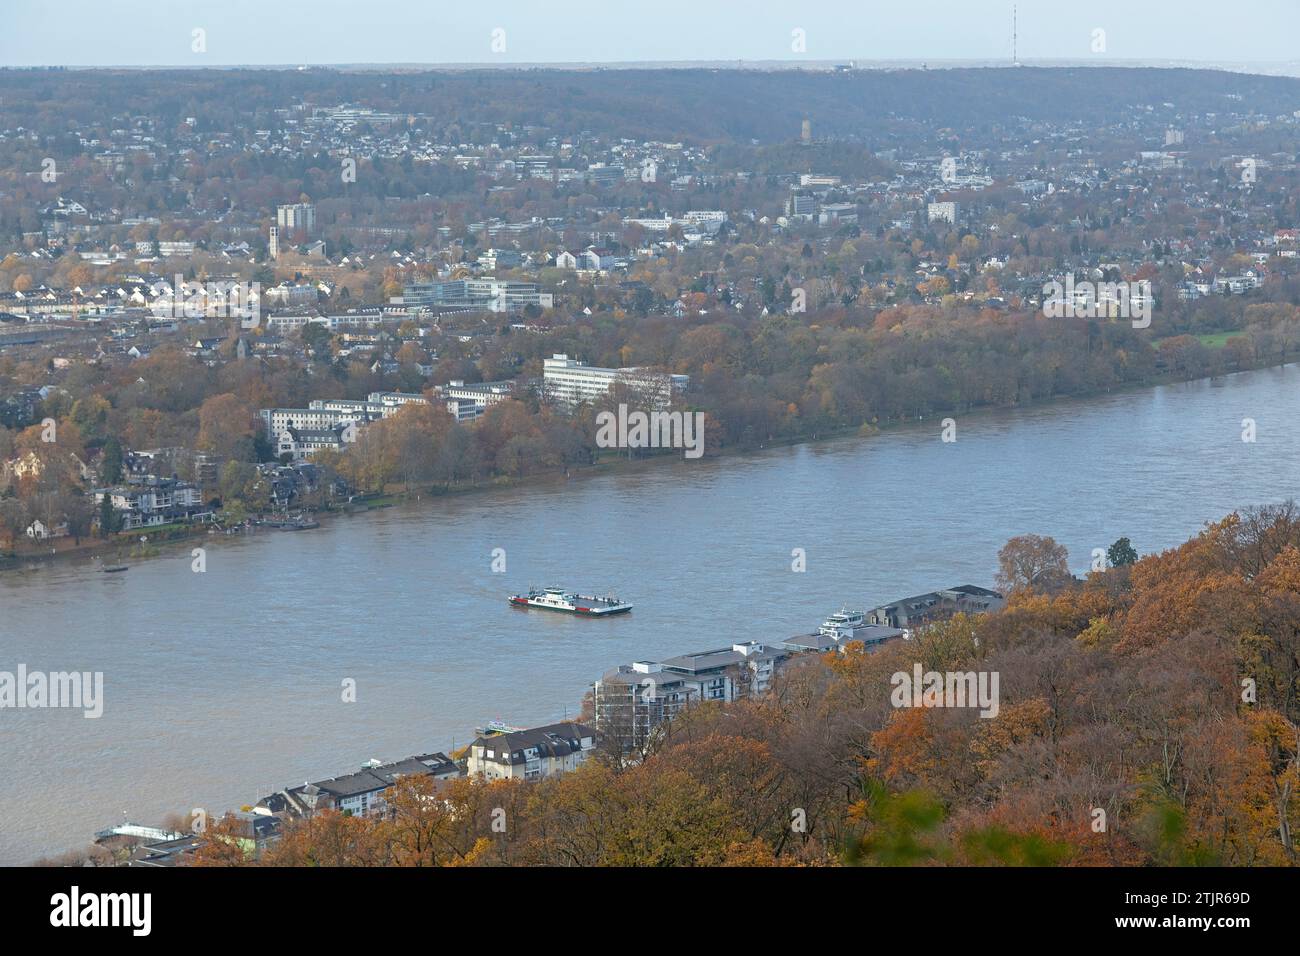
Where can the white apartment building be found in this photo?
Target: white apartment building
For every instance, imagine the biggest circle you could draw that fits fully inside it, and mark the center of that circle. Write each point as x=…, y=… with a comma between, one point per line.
x=468, y=402
x=695, y=216
x=316, y=417
x=287, y=323
x=295, y=216
x=326, y=413
x=569, y=382
x=303, y=443
x=323, y=415
x=812, y=179
x=634, y=699
x=942, y=212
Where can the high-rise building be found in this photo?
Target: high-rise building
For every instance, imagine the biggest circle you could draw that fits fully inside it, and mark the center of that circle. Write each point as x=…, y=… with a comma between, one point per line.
x=942, y=212
x=296, y=216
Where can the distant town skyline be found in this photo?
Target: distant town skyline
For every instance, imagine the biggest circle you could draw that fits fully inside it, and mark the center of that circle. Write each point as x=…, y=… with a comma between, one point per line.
x=512, y=32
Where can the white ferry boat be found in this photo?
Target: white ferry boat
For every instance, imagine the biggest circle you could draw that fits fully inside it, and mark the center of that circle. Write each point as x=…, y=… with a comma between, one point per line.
x=843, y=623
x=569, y=602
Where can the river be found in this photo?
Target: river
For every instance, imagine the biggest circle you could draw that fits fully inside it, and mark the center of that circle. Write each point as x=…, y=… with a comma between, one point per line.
x=222, y=686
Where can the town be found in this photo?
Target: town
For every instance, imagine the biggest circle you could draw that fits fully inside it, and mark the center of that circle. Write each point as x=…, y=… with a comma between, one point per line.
x=176, y=345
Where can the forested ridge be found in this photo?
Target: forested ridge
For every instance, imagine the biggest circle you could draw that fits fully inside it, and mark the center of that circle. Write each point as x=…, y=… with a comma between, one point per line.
x=697, y=105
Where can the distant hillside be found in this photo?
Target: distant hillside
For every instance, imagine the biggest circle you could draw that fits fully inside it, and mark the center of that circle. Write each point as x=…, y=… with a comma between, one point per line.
x=695, y=105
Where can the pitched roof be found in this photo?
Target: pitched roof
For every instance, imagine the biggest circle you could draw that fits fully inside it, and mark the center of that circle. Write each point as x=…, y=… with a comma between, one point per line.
x=553, y=740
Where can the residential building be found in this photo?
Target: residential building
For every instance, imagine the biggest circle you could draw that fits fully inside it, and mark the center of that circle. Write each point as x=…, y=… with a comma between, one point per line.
x=495, y=259
x=298, y=216
x=357, y=793
x=801, y=206
x=634, y=699
x=292, y=295
x=532, y=754
x=942, y=212
x=18, y=407
x=300, y=444
x=154, y=501
x=936, y=606
x=596, y=259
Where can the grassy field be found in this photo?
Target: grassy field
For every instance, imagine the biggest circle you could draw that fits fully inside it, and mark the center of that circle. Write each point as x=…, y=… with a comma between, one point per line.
x=1216, y=340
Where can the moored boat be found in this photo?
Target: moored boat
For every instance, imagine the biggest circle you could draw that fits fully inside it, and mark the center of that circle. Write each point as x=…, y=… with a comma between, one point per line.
x=843, y=623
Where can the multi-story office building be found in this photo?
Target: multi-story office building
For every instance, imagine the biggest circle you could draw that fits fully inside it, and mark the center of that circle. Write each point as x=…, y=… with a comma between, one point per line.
x=326, y=413
x=487, y=293
x=301, y=432
x=569, y=382
x=468, y=402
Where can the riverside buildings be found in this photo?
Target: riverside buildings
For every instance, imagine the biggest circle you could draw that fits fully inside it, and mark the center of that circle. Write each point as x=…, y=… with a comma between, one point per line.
x=569, y=382
x=300, y=432
x=632, y=700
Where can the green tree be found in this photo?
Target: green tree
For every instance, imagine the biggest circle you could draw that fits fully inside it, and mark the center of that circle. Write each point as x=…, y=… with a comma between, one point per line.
x=1121, y=553
x=111, y=463
x=110, y=521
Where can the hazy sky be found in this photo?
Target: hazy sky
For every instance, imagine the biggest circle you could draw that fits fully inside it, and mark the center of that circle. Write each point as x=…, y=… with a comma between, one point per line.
x=160, y=32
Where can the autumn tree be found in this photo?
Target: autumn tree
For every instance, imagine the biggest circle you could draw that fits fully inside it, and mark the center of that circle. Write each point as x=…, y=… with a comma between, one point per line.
x=1032, y=562
x=226, y=428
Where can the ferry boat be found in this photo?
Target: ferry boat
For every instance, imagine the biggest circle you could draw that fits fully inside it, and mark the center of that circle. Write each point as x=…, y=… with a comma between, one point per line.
x=843, y=623
x=495, y=728
x=569, y=602
x=298, y=522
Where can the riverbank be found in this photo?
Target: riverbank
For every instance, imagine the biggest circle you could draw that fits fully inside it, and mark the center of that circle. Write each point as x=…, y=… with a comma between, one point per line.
x=130, y=545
